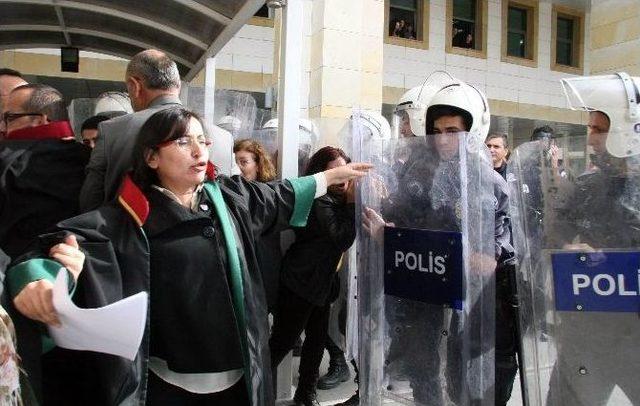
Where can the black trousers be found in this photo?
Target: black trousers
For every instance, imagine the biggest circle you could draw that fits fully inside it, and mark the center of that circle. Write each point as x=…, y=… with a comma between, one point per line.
x=293, y=316
x=162, y=393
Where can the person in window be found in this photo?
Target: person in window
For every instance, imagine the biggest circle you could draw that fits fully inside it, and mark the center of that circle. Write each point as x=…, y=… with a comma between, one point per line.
x=409, y=33
x=458, y=37
x=468, y=41
x=187, y=237
x=309, y=282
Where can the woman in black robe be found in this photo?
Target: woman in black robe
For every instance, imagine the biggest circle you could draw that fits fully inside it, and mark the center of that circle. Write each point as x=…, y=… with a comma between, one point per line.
x=189, y=242
x=309, y=282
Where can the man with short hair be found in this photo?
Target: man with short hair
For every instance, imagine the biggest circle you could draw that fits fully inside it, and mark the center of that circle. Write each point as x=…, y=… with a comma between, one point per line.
x=153, y=83
x=41, y=167
x=9, y=80
x=41, y=173
x=499, y=148
x=89, y=130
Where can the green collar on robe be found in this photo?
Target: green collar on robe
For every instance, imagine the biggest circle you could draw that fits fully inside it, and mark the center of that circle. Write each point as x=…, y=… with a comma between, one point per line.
x=304, y=189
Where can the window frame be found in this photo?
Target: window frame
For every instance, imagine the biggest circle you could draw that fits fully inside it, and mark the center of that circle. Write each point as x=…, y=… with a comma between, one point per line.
x=578, y=17
x=533, y=14
x=263, y=21
x=422, y=13
x=482, y=14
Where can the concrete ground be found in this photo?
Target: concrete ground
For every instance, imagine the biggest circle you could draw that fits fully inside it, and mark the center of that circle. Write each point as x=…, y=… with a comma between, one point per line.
x=346, y=389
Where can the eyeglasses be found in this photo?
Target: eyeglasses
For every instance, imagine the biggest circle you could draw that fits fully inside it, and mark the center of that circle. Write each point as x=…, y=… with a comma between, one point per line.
x=187, y=142
x=8, y=116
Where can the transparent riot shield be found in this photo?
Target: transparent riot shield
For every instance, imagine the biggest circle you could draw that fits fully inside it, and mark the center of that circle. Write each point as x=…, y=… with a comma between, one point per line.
x=235, y=112
x=79, y=110
x=268, y=138
x=426, y=268
x=308, y=135
x=578, y=235
x=239, y=110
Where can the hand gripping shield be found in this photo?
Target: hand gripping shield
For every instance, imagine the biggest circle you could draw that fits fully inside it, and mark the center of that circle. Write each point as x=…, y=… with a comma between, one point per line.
x=426, y=279
x=576, y=229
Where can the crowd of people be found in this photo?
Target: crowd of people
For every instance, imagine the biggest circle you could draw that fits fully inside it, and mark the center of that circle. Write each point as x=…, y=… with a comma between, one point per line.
x=134, y=202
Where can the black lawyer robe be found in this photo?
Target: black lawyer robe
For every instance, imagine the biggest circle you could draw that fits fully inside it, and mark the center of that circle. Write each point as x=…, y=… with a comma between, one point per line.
x=117, y=266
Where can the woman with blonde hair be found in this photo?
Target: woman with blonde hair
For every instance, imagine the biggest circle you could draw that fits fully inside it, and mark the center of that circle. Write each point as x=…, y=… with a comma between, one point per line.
x=254, y=161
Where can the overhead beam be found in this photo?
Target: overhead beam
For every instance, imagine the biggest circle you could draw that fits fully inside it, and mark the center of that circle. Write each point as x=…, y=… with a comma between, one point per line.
x=246, y=12
x=63, y=26
x=99, y=34
x=118, y=14
x=204, y=10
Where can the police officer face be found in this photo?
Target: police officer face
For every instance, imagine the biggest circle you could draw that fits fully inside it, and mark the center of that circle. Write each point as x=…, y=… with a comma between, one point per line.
x=446, y=130
x=497, y=150
x=405, y=125
x=597, y=131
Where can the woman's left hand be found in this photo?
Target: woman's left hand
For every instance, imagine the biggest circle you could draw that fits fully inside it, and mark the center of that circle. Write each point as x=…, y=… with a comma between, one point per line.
x=69, y=255
x=345, y=173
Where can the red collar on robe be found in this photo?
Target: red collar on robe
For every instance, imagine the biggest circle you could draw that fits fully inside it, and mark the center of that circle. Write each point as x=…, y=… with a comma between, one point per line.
x=53, y=131
x=135, y=202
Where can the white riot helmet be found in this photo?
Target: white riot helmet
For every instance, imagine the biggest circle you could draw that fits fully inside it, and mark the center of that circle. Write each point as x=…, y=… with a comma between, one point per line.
x=375, y=123
x=366, y=124
x=112, y=103
x=414, y=104
x=470, y=101
x=230, y=123
x=411, y=105
x=617, y=96
x=308, y=130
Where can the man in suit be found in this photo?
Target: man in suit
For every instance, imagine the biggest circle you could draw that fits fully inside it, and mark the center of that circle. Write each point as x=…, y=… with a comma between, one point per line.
x=153, y=83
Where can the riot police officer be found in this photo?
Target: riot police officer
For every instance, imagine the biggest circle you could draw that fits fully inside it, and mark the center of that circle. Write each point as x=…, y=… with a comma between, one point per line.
x=581, y=316
x=446, y=188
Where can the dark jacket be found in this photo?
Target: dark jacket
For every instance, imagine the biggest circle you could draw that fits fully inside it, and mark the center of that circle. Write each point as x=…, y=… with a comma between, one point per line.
x=117, y=265
x=309, y=266
x=111, y=158
x=39, y=184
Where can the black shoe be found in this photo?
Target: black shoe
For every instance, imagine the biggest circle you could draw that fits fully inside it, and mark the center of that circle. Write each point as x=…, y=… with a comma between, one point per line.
x=305, y=398
x=352, y=401
x=338, y=373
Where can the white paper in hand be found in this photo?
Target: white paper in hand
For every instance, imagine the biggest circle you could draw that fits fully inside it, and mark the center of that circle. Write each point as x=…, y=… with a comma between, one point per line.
x=114, y=329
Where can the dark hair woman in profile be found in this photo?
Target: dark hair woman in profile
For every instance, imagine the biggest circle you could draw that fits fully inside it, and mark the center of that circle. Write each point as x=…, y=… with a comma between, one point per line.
x=307, y=284
x=187, y=238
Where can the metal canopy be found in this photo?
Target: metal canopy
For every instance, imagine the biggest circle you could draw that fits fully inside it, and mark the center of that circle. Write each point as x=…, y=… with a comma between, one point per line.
x=189, y=31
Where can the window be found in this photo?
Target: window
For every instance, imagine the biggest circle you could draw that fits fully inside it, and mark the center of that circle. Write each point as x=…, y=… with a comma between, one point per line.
x=264, y=17
x=567, y=40
x=467, y=33
x=520, y=32
x=263, y=12
x=403, y=18
x=406, y=23
x=517, y=32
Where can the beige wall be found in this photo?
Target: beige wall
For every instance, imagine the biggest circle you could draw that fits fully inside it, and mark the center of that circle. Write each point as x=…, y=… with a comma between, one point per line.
x=346, y=61
x=615, y=36
x=49, y=65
